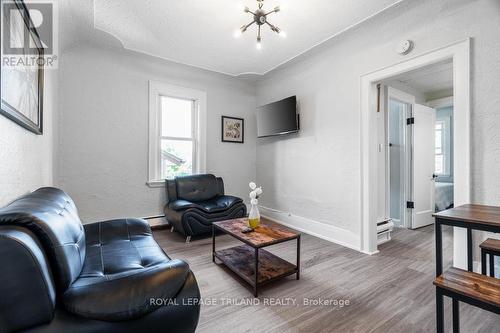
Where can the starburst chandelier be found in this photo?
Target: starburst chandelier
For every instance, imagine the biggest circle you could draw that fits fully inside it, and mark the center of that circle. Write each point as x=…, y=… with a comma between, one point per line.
x=260, y=18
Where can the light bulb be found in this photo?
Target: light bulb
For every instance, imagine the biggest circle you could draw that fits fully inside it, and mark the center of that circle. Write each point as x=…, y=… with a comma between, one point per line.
x=237, y=33
x=259, y=46
x=282, y=34
x=283, y=6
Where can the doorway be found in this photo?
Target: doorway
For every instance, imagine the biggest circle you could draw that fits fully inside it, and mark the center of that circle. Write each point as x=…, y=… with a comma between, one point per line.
x=399, y=107
x=419, y=138
x=459, y=53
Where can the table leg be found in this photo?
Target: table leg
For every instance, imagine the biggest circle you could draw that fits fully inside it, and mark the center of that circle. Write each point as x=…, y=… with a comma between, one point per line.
x=256, y=287
x=492, y=264
x=469, y=250
x=483, y=262
x=298, y=257
x=439, y=312
x=439, y=247
x=456, y=316
x=213, y=243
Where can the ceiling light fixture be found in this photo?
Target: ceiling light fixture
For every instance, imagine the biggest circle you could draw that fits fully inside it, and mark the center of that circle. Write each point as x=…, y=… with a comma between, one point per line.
x=260, y=18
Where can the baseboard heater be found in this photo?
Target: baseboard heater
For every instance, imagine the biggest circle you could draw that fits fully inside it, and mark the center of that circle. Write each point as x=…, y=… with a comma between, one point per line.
x=384, y=229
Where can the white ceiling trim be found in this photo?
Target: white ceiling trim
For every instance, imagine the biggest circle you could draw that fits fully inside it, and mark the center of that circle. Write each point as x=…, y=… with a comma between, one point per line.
x=151, y=54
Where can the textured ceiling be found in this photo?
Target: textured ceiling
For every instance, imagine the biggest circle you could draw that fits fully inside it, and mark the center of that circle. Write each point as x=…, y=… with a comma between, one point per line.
x=200, y=32
x=429, y=79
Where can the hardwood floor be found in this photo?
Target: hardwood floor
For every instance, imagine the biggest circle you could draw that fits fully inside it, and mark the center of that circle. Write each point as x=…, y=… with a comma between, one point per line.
x=388, y=292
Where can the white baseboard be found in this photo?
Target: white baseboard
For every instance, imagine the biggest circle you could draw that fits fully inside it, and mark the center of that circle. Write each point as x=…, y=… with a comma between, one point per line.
x=318, y=229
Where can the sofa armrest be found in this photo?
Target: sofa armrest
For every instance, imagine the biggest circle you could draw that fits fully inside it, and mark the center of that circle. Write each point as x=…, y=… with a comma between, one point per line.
x=26, y=284
x=171, y=190
x=228, y=201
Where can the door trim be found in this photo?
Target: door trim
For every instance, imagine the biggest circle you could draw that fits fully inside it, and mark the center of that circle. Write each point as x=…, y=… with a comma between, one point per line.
x=459, y=52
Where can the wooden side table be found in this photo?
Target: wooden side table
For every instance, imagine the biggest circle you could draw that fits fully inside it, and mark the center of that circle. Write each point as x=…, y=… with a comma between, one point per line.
x=250, y=261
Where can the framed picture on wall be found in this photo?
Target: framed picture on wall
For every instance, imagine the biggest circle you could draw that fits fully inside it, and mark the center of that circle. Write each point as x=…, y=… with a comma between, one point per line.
x=233, y=129
x=21, y=80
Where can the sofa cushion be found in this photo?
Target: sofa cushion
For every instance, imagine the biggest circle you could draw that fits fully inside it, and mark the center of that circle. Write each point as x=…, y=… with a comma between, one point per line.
x=124, y=270
x=52, y=216
x=197, y=187
x=217, y=204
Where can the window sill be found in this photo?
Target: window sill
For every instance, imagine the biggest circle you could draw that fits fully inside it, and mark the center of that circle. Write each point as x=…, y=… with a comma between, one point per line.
x=156, y=183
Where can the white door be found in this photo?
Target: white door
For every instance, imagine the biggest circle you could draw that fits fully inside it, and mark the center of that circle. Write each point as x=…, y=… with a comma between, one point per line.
x=423, y=164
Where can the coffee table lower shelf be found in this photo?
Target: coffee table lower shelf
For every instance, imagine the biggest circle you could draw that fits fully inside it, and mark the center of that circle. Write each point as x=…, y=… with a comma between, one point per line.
x=241, y=260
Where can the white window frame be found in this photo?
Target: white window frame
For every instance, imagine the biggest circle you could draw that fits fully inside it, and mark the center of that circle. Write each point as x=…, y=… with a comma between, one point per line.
x=157, y=90
x=193, y=135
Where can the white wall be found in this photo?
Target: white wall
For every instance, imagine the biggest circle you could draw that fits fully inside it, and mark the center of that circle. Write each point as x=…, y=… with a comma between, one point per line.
x=27, y=158
x=420, y=98
x=316, y=174
x=103, y=150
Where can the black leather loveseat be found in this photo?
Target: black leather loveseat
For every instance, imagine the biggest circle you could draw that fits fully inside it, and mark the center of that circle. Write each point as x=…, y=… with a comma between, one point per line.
x=58, y=275
x=195, y=202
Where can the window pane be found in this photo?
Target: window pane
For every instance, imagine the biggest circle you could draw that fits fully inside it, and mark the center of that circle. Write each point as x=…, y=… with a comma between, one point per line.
x=176, y=158
x=176, y=117
x=439, y=141
x=439, y=168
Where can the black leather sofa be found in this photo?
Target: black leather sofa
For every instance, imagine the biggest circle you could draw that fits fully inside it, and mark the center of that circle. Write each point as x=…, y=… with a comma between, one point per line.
x=58, y=275
x=195, y=202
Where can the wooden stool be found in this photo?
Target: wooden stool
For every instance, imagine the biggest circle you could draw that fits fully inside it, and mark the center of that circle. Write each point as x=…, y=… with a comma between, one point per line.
x=492, y=248
x=463, y=286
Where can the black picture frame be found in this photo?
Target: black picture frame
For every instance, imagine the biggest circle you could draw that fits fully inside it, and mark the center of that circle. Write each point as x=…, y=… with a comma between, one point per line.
x=8, y=110
x=225, y=137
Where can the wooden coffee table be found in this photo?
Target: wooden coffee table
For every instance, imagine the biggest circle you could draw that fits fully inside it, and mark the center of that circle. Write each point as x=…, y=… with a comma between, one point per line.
x=250, y=261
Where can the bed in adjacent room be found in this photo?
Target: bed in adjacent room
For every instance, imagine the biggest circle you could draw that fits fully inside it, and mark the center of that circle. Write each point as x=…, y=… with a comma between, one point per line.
x=444, y=196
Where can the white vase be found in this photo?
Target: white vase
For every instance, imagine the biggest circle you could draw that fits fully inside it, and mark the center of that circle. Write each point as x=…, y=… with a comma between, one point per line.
x=254, y=217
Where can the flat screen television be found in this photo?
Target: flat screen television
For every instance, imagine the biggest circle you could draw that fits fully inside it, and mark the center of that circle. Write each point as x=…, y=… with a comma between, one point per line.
x=278, y=118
